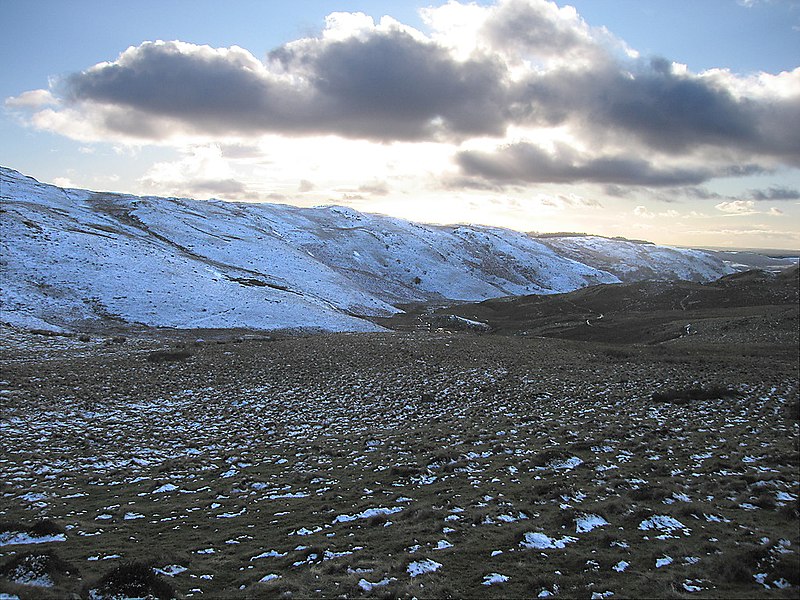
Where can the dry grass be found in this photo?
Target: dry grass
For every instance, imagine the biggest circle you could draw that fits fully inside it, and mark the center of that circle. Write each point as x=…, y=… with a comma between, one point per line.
x=336, y=463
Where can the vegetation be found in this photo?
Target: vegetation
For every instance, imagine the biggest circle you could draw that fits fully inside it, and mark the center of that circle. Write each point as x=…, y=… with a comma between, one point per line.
x=352, y=465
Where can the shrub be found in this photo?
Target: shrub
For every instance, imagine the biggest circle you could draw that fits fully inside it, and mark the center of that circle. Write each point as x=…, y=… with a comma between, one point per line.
x=739, y=566
x=46, y=527
x=788, y=567
x=694, y=392
x=31, y=566
x=133, y=580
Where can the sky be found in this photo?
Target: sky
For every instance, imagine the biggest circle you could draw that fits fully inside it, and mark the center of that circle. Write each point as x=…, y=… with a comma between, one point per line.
x=677, y=122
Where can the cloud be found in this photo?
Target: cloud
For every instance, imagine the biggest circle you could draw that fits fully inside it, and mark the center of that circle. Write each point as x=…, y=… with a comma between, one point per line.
x=227, y=187
x=239, y=150
x=32, y=99
x=524, y=66
x=660, y=109
x=201, y=171
x=737, y=207
x=376, y=188
x=64, y=182
x=527, y=163
x=645, y=213
x=775, y=193
x=386, y=86
x=305, y=186
x=540, y=29
x=570, y=200
x=765, y=234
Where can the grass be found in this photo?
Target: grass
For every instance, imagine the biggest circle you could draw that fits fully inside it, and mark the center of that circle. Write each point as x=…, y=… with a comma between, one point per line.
x=243, y=461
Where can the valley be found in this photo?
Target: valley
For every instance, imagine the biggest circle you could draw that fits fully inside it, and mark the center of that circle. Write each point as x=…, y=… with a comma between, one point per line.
x=207, y=400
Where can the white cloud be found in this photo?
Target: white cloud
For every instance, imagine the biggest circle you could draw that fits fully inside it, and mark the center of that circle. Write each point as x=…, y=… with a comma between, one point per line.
x=745, y=208
x=33, y=99
x=64, y=182
x=737, y=207
x=645, y=213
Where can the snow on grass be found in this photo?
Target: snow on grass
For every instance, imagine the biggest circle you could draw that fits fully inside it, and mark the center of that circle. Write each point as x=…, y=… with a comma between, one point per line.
x=368, y=586
x=566, y=464
x=320, y=418
x=269, y=554
x=171, y=570
x=664, y=523
x=366, y=514
x=167, y=487
x=663, y=561
x=540, y=541
x=494, y=579
x=421, y=567
x=621, y=566
x=586, y=523
x=13, y=538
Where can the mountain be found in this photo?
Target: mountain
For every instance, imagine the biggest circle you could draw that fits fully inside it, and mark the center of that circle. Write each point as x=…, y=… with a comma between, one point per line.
x=74, y=259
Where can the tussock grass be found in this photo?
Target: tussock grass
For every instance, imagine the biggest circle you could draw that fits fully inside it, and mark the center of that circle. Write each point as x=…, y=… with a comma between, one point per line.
x=259, y=458
x=159, y=356
x=132, y=580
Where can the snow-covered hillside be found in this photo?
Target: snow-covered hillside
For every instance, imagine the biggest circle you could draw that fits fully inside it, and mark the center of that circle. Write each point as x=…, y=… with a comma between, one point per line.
x=72, y=257
x=636, y=261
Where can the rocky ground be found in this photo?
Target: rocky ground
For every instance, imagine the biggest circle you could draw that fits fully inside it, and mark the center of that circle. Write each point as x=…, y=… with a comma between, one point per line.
x=425, y=464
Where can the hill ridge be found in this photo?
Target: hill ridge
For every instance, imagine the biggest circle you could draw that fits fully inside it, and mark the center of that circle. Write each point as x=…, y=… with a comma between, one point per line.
x=75, y=258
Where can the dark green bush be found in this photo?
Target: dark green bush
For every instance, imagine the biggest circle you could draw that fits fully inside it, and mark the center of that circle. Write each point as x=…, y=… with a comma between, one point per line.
x=133, y=580
x=694, y=392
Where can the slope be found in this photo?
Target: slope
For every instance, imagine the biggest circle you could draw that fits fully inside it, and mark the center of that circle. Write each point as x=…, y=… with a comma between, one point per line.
x=76, y=259
x=752, y=307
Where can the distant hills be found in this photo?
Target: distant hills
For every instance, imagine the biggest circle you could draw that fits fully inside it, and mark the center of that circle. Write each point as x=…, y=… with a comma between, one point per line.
x=75, y=260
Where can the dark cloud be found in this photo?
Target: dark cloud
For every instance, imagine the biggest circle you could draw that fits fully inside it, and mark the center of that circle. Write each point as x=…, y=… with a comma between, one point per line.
x=305, y=186
x=229, y=187
x=775, y=193
x=239, y=150
x=207, y=89
x=700, y=193
x=526, y=163
x=389, y=86
x=394, y=86
x=659, y=109
x=618, y=191
x=377, y=188
x=530, y=28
